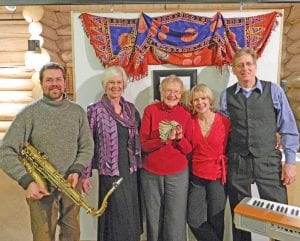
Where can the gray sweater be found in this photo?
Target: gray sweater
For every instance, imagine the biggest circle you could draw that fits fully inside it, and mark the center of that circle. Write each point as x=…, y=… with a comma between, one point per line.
x=58, y=129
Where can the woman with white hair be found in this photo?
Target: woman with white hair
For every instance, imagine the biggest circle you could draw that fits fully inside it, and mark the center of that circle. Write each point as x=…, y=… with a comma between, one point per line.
x=114, y=124
x=165, y=138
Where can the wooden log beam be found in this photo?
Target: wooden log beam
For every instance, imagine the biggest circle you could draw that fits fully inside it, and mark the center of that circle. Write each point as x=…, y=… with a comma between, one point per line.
x=64, y=18
x=55, y=57
x=50, y=19
x=16, y=84
x=50, y=44
x=13, y=44
x=2, y=134
x=11, y=58
x=293, y=63
x=294, y=32
x=14, y=16
x=21, y=72
x=4, y=125
x=64, y=30
x=14, y=27
x=49, y=32
x=16, y=97
x=9, y=111
x=64, y=43
x=67, y=56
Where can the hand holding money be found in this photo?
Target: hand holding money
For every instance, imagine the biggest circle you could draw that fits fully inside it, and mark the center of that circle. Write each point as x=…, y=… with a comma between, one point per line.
x=169, y=130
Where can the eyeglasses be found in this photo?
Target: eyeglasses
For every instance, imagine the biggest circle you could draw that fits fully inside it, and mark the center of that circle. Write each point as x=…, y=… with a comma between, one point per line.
x=118, y=82
x=243, y=65
x=175, y=92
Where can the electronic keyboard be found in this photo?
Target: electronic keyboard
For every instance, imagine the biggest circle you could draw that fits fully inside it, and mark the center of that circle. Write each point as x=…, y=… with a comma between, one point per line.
x=271, y=219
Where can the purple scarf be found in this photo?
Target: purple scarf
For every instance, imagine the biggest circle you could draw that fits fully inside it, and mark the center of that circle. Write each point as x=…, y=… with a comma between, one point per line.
x=106, y=158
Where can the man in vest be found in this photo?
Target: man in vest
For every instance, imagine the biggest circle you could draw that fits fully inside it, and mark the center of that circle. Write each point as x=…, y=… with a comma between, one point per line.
x=258, y=110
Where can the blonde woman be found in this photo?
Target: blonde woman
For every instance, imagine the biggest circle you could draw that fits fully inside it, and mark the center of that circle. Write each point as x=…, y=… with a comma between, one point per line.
x=207, y=195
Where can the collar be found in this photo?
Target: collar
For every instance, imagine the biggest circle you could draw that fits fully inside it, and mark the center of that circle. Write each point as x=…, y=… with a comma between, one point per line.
x=167, y=108
x=62, y=103
x=257, y=86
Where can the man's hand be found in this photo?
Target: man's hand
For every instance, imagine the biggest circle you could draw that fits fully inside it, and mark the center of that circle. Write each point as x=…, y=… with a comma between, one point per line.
x=73, y=179
x=288, y=175
x=35, y=192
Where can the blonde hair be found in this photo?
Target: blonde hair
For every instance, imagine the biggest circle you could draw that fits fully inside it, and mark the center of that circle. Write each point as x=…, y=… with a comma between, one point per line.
x=111, y=72
x=243, y=51
x=204, y=91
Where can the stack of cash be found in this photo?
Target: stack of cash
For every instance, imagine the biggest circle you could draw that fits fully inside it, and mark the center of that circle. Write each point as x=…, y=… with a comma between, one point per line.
x=165, y=128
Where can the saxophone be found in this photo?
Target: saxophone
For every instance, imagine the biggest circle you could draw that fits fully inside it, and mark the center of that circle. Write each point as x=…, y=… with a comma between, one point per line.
x=38, y=166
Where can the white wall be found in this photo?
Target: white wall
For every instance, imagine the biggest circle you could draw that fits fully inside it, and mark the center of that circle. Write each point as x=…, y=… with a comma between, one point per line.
x=88, y=69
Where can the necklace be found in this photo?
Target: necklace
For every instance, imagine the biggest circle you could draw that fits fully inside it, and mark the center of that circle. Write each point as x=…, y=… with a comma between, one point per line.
x=119, y=110
x=206, y=124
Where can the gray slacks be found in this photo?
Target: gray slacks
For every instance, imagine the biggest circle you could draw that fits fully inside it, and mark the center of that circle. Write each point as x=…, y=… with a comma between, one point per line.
x=165, y=199
x=265, y=171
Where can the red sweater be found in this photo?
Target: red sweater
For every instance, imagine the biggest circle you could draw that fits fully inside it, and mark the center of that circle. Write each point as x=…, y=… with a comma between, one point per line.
x=170, y=158
x=209, y=160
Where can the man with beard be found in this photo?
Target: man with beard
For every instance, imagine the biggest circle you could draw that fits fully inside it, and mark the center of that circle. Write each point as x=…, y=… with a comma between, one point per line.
x=59, y=128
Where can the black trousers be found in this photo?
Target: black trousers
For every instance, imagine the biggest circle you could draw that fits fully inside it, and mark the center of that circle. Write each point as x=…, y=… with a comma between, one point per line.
x=245, y=170
x=206, y=205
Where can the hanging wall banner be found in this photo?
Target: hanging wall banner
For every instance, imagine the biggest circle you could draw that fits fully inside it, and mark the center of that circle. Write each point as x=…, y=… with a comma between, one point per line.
x=180, y=39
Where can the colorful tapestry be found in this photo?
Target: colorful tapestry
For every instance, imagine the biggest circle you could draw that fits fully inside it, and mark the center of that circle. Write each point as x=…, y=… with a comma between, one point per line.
x=181, y=39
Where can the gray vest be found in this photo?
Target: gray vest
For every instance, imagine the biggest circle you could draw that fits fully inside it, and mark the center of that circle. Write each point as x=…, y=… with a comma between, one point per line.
x=253, y=121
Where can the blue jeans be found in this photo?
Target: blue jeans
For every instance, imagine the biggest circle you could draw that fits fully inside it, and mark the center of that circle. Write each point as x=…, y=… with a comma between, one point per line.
x=52, y=211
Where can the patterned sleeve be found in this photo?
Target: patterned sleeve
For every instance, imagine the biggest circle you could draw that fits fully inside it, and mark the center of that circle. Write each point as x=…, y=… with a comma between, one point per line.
x=87, y=172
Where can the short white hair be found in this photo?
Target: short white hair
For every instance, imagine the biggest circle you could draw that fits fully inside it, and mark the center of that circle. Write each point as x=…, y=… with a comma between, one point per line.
x=114, y=71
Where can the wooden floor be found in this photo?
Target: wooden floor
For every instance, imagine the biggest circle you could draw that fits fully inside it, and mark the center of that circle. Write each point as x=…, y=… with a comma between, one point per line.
x=14, y=218
x=14, y=221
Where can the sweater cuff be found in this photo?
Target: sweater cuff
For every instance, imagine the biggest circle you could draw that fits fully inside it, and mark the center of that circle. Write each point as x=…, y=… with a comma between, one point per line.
x=76, y=168
x=25, y=181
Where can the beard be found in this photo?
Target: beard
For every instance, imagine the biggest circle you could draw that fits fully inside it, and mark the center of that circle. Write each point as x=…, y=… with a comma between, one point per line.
x=54, y=95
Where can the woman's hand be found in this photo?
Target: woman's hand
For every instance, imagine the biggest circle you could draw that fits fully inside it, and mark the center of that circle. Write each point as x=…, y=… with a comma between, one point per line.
x=172, y=135
x=179, y=134
x=86, y=185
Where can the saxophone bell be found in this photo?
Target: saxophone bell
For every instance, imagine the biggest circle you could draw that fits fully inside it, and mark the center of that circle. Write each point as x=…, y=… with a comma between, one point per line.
x=117, y=183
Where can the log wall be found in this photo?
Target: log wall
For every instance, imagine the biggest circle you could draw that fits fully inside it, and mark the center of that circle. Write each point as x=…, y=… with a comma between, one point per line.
x=16, y=83
x=291, y=58
x=15, y=78
x=56, y=23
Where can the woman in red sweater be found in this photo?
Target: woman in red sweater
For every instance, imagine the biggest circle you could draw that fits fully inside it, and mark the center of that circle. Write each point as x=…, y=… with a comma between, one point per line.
x=164, y=176
x=207, y=194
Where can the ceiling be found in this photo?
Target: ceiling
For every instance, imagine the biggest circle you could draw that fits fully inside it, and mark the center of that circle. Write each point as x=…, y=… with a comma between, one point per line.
x=87, y=2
